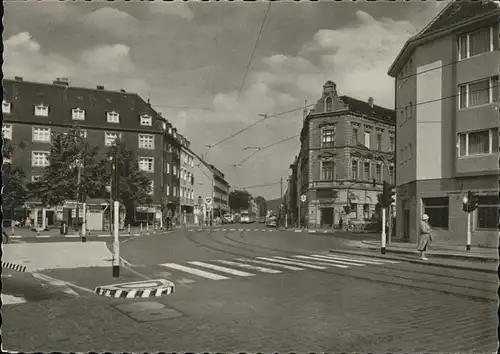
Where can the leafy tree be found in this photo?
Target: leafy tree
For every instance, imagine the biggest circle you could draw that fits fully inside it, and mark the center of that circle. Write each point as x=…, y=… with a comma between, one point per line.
x=135, y=186
x=239, y=200
x=262, y=203
x=58, y=181
x=14, y=187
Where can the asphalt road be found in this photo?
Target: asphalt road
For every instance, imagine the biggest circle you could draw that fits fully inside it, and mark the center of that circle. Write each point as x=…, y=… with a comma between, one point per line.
x=307, y=300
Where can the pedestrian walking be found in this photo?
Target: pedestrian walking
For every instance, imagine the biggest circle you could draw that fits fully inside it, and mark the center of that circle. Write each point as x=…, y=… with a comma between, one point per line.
x=169, y=220
x=425, y=236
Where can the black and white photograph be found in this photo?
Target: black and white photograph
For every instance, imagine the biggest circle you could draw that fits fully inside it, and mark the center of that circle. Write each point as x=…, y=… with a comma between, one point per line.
x=250, y=176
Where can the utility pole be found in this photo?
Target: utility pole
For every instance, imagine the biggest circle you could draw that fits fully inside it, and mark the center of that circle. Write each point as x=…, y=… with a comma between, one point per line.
x=114, y=193
x=281, y=200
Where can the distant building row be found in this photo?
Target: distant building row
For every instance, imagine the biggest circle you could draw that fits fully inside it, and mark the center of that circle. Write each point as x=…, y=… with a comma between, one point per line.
x=34, y=112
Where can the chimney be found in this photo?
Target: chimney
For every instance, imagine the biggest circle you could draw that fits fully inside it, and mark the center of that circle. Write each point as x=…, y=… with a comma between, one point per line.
x=61, y=81
x=122, y=90
x=370, y=102
x=100, y=87
x=18, y=78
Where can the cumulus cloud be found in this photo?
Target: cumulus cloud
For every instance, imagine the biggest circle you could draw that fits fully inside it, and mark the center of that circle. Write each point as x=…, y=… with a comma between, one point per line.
x=24, y=56
x=172, y=8
x=108, y=19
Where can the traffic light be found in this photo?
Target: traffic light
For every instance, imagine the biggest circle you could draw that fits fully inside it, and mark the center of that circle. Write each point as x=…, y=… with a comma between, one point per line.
x=387, y=194
x=470, y=202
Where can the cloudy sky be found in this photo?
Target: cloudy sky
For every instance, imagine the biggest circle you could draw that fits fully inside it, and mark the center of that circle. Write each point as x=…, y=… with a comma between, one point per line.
x=190, y=59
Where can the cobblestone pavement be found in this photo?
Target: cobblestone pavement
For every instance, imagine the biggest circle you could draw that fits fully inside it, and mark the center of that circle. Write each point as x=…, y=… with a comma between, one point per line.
x=369, y=307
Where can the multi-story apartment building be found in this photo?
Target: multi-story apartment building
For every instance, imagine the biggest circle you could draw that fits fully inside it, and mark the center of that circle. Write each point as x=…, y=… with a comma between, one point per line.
x=187, y=178
x=347, y=149
x=203, y=189
x=171, y=169
x=34, y=112
x=446, y=80
x=221, y=192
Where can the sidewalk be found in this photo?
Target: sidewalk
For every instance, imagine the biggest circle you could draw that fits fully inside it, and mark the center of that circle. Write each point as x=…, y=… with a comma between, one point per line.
x=55, y=232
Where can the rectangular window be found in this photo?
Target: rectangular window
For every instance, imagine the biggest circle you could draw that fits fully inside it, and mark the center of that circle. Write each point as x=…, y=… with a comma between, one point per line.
x=168, y=190
x=391, y=143
x=6, y=106
x=328, y=137
x=475, y=43
x=40, y=158
x=41, y=134
x=438, y=211
x=355, y=133
x=146, y=120
x=487, y=212
x=77, y=114
x=112, y=117
x=146, y=141
x=391, y=174
x=327, y=169
x=477, y=93
x=41, y=111
x=367, y=139
x=110, y=138
x=7, y=131
x=174, y=170
x=168, y=168
x=146, y=164
x=366, y=211
x=476, y=143
x=379, y=141
x=378, y=173
x=366, y=171
x=354, y=172
x=83, y=133
x=174, y=191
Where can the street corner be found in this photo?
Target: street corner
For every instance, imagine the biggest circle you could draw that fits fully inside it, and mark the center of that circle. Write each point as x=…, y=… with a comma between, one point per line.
x=138, y=289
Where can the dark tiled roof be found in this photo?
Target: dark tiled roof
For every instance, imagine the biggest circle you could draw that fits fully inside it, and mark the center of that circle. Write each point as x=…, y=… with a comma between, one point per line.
x=377, y=112
x=25, y=95
x=460, y=11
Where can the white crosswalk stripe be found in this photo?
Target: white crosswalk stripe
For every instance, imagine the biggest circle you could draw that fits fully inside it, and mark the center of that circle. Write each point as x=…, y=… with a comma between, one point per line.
x=194, y=271
x=292, y=262
x=339, y=264
x=317, y=262
x=343, y=258
x=270, y=264
x=248, y=266
x=221, y=269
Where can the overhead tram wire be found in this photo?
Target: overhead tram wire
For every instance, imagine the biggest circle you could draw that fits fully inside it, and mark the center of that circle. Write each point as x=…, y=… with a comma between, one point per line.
x=253, y=51
x=318, y=128
x=258, y=186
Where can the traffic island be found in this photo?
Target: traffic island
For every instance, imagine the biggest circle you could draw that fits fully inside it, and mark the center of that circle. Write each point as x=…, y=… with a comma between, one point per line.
x=139, y=289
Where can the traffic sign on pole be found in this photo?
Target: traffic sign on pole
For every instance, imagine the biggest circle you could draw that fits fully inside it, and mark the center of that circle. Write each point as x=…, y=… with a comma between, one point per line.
x=303, y=198
x=208, y=200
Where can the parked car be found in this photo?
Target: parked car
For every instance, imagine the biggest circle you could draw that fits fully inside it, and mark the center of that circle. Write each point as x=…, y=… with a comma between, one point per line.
x=271, y=221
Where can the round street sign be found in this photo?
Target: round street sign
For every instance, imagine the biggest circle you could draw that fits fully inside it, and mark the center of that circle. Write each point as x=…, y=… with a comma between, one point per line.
x=208, y=200
x=138, y=289
x=303, y=198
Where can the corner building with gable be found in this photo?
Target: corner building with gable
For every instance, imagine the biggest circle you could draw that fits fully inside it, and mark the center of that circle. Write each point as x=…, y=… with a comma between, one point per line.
x=347, y=151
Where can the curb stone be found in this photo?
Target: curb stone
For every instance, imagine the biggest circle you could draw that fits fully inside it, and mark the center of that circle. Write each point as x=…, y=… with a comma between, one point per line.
x=13, y=266
x=114, y=291
x=411, y=260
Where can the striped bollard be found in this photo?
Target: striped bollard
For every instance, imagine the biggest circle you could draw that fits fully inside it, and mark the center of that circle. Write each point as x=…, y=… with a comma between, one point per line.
x=147, y=228
x=141, y=228
x=12, y=224
x=128, y=227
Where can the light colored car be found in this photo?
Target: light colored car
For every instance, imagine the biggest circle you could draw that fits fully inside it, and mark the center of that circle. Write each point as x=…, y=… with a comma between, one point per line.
x=245, y=218
x=227, y=219
x=271, y=221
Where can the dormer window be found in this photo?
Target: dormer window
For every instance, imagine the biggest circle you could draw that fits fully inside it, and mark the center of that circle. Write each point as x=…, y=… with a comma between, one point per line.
x=112, y=117
x=6, y=107
x=78, y=114
x=41, y=110
x=146, y=120
x=170, y=130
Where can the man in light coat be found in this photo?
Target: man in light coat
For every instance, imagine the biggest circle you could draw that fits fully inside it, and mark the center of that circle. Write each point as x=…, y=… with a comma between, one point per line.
x=425, y=236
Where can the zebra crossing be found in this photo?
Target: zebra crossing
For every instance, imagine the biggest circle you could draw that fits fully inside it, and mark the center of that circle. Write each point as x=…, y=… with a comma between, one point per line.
x=223, y=269
x=232, y=230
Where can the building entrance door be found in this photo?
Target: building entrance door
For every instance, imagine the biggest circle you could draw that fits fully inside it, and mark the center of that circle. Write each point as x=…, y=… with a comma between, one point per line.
x=406, y=225
x=327, y=217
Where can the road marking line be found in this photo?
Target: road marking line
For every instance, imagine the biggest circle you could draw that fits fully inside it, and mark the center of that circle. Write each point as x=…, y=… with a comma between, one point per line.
x=54, y=280
x=221, y=269
x=340, y=258
x=232, y=229
x=190, y=230
x=198, y=272
x=43, y=236
x=269, y=264
x=292, y=262
x=335, y=263
x=248, y=266
x=240, y=230
x=15, y=236
x=199, y=230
